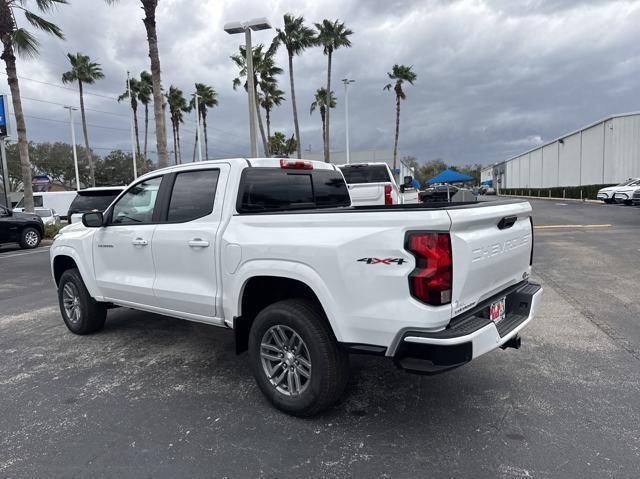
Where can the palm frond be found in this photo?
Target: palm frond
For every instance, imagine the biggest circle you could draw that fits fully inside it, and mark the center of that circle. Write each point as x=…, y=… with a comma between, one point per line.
x=25, y=43
x=47, y=6
x=44, y=25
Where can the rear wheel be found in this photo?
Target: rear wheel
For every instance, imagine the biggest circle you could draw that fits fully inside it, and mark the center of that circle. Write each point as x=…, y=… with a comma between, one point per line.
x=30, y=238
x=295, y=358
x=80, y=312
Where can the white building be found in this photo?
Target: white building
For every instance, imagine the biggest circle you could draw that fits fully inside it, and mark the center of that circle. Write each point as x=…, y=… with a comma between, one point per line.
x=604, y=152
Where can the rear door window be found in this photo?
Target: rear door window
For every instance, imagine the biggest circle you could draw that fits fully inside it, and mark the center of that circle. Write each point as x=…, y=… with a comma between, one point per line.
x=275, y=189
x=365, y=174
x=192, y=195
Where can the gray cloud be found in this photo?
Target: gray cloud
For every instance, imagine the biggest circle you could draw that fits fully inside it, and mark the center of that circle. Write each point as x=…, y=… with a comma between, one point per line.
x=495, y=77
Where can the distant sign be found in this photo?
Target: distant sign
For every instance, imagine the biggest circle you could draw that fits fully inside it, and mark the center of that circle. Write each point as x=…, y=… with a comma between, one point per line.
x=40, y=180
x=3, y=117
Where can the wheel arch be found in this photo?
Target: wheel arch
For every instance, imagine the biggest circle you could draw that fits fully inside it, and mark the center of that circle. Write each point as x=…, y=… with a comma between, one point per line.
x=65, y=257
x=259, y=291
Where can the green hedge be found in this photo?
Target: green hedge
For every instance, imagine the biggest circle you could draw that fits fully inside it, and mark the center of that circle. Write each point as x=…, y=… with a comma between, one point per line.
x=588, y=192
x=51, y=230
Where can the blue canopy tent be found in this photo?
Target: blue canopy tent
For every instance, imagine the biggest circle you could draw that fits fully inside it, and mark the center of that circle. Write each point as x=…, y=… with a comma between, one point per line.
x=449, y=176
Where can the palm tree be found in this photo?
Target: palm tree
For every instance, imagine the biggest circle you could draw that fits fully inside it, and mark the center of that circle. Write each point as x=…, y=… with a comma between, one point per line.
x=134, y=86
x=331, y=36
x=84, y=71
x=149, y=20
x=145, y=94
x=264, y=69
x=281, y=146
x=270, y=98
x=207, y=98
x=19, y=40
x=321, y=101
x=177, y=106
x=296, y=37
x=399, y=73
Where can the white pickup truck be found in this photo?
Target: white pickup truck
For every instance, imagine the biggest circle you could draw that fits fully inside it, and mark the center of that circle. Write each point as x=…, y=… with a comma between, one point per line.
x=272, y=249
x=374, y=184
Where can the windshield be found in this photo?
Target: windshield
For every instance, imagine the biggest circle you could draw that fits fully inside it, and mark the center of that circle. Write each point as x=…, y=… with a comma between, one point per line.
x=93, y=200
x=44, y=213
x=630, y=182
x=365, y=174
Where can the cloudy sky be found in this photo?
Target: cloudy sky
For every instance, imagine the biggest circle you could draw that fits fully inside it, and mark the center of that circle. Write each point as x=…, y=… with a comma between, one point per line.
x=495, y=77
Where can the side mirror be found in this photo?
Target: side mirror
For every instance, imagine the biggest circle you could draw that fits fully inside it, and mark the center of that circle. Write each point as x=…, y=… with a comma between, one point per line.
x=93, y=219
x=401, y=188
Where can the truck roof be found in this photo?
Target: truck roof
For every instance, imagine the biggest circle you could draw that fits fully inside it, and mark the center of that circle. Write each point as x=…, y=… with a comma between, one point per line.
x=250, y=163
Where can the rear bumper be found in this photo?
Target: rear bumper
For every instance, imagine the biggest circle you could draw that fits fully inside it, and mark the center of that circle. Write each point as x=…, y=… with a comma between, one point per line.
x=467, y=336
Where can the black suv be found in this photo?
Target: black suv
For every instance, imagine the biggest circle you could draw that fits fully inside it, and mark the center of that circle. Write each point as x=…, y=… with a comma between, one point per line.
x=24, y=228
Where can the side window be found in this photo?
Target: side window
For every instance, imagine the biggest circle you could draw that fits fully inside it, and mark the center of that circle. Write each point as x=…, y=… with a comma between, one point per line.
x=192, y=196
x=137, y=204
x=37, y=201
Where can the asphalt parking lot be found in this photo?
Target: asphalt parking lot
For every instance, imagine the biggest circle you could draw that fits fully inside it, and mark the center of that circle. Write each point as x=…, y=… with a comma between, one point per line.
x=151, y=396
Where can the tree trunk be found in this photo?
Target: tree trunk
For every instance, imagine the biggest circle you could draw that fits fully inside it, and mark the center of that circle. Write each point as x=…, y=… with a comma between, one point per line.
x=268, y=118
x=149, y=21
x=395, y=143
x=135, y=129
x=179, y=147
x=206, y=136
x=23, y=147
x=92, y=173
x=327, y=157
x=323, y=124
x=146, y=128
x=195, y=145
x=294, y=106
x=175, y=142
x=265, y=145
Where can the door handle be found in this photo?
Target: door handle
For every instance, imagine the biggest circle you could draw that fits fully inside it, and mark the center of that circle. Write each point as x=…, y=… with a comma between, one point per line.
x=198, y=243
x=140, y=242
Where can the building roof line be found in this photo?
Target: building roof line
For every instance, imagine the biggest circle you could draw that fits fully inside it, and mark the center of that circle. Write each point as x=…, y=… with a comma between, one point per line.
x=566, y=135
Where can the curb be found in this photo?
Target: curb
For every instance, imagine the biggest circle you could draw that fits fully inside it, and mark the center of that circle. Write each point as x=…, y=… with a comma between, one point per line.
x=584, y=200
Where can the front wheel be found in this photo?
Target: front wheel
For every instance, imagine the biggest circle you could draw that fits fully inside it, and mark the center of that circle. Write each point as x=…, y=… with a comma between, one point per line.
x=30, y=238
x=80, y=312
x=295, y=358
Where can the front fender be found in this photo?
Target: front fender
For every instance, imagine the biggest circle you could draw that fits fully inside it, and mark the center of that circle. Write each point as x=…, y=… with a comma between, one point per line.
x=232, y=297
x=85, y=266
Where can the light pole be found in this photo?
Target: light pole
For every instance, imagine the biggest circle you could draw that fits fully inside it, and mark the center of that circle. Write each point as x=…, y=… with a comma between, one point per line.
x=346, y=82
x=196, y=99
x=73, y=143
x=246, y=27
x=133, y=133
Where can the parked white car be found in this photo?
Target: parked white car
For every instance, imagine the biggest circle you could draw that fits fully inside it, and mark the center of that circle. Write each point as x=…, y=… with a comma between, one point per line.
x=606, y=194
x=48, y=216
x=625, y=193
x=273, y=250
x=374, y=184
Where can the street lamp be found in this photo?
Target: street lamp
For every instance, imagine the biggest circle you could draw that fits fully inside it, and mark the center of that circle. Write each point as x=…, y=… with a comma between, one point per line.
x=73, y=143
x=196, y=100
x=346, y=82
x=245, y=27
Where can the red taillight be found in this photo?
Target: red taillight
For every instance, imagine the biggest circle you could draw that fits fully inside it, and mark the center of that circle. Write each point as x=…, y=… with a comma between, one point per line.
x=296, y=165
x=387, y=195
x=432, y=280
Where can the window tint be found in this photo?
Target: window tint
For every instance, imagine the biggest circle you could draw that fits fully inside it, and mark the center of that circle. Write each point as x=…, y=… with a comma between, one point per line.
x=92, y=200
x=137, y=204
x=365, y=174
x=193, y=194
x=273, y=189
x=37, y=202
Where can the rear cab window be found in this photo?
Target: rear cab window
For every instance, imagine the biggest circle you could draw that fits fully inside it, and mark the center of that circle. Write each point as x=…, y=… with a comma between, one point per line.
x=93, y=200
x=358, y=174
x=276, y=189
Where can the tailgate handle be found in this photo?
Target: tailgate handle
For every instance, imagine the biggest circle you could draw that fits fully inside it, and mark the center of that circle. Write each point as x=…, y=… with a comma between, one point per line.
x=507, y=222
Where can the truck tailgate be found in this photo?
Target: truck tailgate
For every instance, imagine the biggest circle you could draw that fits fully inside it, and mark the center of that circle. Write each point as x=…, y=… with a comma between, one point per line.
x=366, y=194
x=491, y=248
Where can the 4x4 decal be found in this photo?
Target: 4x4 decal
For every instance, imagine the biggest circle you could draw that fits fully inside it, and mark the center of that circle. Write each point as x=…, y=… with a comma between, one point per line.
x=383, y=261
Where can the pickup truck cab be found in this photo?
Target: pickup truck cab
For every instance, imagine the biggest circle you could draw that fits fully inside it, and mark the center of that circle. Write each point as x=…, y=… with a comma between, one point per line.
x=374, y=184
x=273, y=250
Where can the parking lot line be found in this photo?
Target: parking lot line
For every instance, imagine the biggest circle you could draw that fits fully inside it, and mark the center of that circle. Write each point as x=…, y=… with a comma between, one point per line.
x=548, y=227
x=40, y=250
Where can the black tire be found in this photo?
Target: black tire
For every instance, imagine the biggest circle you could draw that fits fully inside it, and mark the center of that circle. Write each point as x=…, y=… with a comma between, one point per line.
x=92, y=314
x=329, y=363
x=30, y=238
x=608, y=200
x=627, y=202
